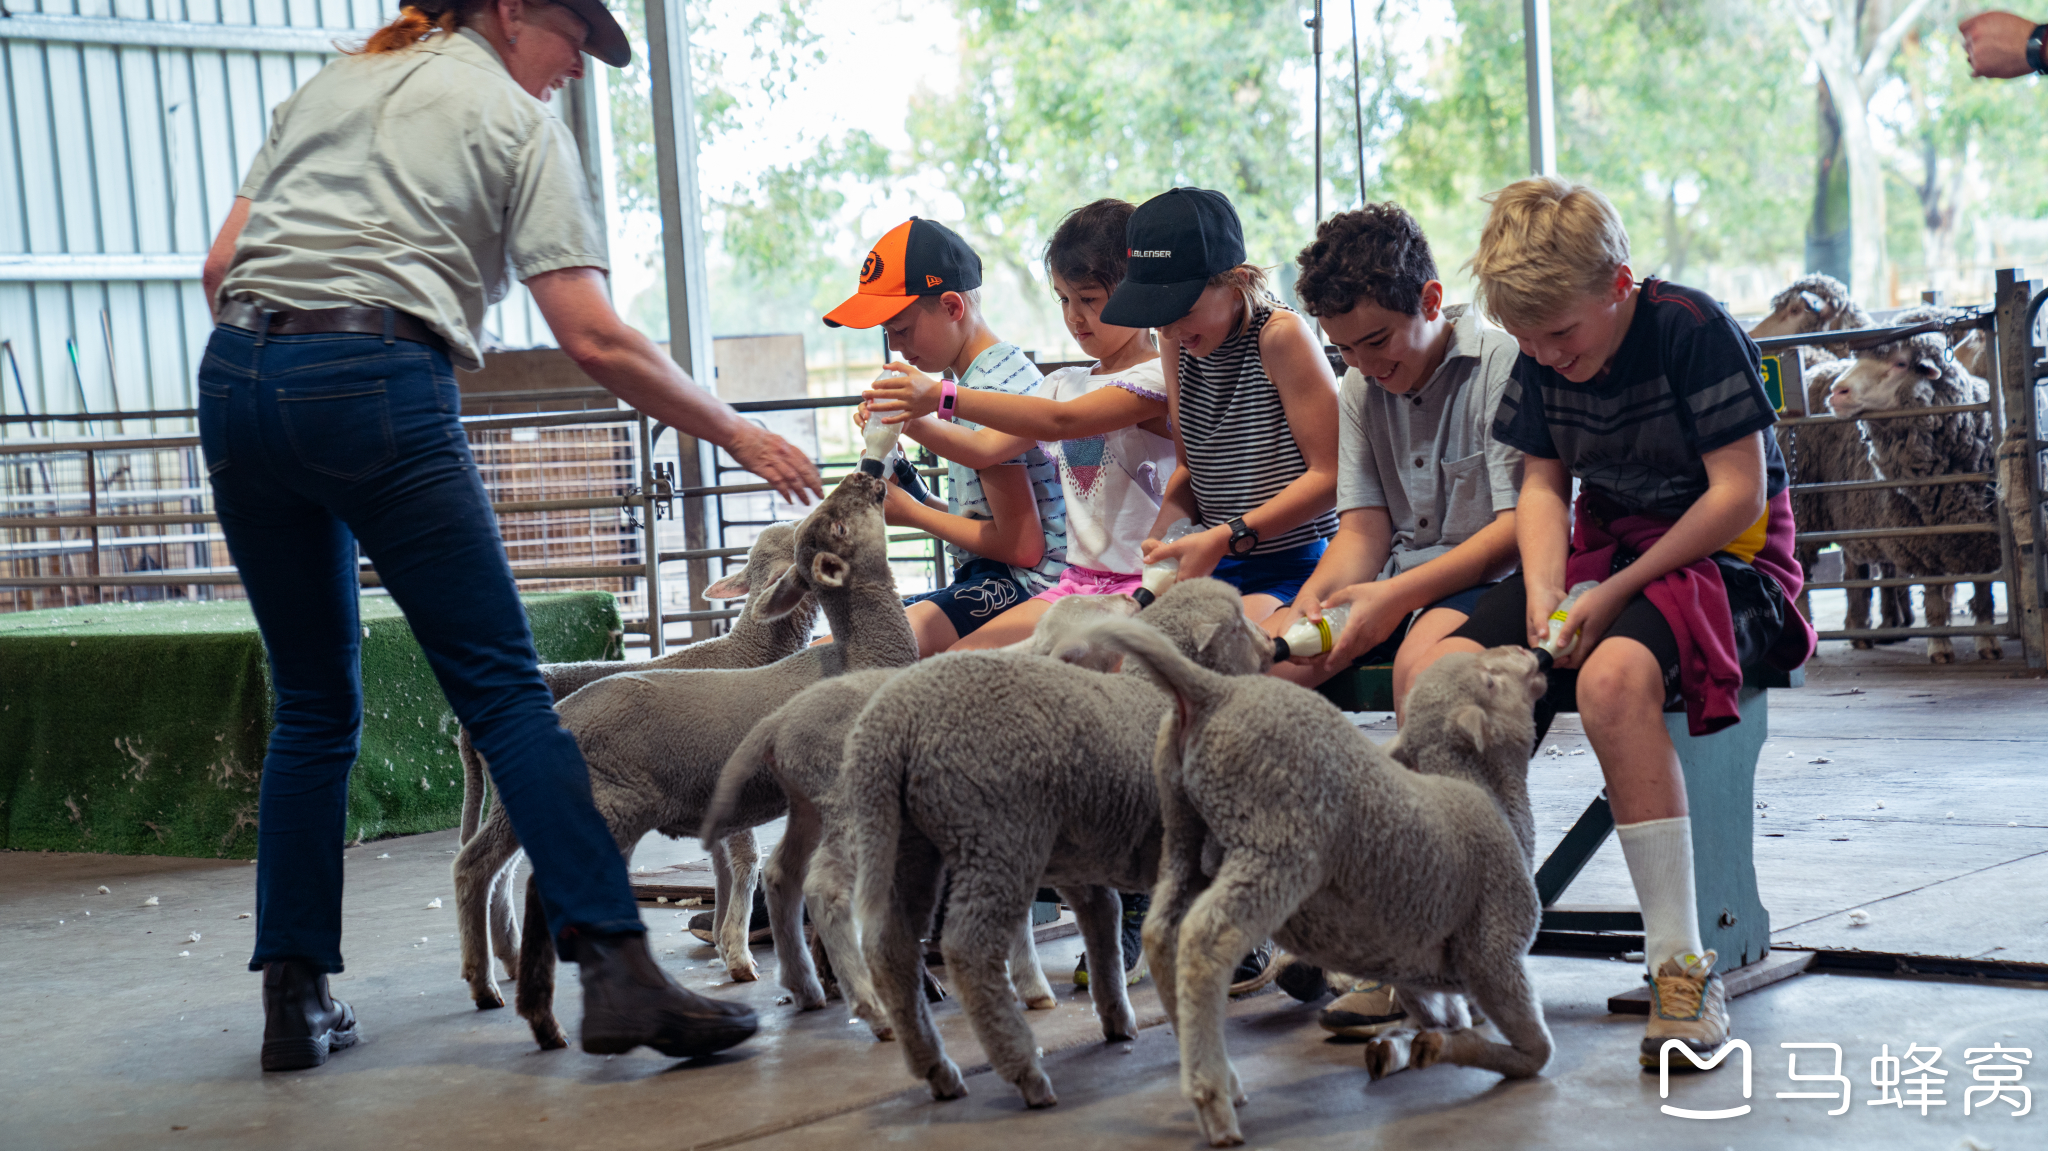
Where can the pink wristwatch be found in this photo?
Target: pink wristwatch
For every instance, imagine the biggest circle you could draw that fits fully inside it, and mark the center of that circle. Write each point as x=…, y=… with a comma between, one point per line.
x=949, y=399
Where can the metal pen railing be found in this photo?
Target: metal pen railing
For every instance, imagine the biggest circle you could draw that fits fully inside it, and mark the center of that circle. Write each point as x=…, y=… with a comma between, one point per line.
x=644, y=504
x=2016, y=516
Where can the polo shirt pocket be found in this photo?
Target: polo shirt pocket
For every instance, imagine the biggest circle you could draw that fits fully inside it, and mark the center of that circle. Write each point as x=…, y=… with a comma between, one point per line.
x=1468, y=504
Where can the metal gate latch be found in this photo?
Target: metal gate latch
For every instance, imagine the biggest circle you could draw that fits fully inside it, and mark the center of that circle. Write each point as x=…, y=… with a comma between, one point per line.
x=661, y=492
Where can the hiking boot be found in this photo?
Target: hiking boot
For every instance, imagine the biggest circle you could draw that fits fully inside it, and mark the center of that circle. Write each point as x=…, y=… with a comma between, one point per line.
x=1254, y=971
x=302, y=1024
x=1131, y=938
x=629, y=1000
x=702, y=923
x=1689, y=1004
x=1300, y=979
x=1366, y=1008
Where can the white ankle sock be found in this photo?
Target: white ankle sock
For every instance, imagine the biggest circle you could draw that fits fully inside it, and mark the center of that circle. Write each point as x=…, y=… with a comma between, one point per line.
x=1659, y=855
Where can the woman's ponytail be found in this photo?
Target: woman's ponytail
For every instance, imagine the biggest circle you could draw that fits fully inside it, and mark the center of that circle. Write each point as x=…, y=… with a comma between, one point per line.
x=415, y=23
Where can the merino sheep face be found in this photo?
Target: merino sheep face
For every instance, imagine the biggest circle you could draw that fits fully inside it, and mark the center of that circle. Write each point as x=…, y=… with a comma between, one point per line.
x=1489, y=695
x=1881, y=383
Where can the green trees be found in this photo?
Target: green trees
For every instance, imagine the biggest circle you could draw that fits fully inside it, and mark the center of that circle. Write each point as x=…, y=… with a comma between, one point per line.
x=1697, y=117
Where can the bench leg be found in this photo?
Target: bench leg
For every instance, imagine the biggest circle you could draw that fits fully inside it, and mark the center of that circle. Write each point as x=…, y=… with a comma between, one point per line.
x=1720, y=788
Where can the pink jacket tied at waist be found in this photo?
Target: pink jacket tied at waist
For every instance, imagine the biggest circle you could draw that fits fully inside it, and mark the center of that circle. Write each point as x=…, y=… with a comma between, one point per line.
x=1695, y=603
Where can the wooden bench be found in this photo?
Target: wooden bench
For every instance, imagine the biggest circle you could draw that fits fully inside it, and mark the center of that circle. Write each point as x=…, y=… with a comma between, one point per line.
x=1720, y=785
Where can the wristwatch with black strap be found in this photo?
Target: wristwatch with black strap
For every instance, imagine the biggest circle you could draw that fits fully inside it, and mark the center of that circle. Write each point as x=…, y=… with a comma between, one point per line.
x=2037, y=59
x=1243, y=537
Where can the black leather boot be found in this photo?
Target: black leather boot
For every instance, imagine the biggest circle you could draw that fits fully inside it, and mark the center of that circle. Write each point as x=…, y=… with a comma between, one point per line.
x=302, y=1024
x=629, y=1000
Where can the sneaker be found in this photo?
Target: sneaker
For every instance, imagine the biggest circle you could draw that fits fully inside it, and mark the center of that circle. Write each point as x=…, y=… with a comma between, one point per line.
x=1254, y=971
x=1300, y=979
x=1132, y=941
x=1366, y=1008
x=757, y=924
x=1687, y=1003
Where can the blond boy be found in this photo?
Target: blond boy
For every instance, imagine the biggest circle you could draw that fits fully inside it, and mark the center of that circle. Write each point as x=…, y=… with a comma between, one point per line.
x=1650, y=396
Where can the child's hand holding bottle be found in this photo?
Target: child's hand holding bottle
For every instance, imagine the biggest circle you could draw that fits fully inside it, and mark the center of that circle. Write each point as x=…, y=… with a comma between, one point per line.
x=903, y=392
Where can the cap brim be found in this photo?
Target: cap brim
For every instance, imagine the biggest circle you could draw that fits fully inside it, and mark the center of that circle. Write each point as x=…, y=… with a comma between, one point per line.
x=607, y=41
x=1136, y=305
x=865, y=311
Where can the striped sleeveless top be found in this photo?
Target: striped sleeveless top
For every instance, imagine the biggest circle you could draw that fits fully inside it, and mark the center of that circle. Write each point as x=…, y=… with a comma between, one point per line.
x=1240, y=449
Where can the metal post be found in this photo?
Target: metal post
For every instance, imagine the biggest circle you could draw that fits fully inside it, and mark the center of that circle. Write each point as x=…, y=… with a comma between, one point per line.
x=1542, y=117
x=1315, y=27
x=650, y=542
x=682, y=248
x=92, y=508
x=2019, y=479
x=1358, y=103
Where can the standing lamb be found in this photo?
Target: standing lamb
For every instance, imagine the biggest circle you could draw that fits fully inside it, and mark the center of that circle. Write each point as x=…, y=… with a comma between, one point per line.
x=800, y=745
x=1832, y=452
x=753, y=641
x=1918, y=373
x=1410, y=865
x=1049, y=782
x=655, y=740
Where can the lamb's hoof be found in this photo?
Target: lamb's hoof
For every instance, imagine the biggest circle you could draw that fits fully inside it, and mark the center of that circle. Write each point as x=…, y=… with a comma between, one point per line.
x=743, y=974
x=1428, y=1049
x=1218, y=1120
x=1392, y=1051
x=486, y=996
x=548, y=1033
x=1941, y=657
x=512, y=970
x=809, y=998
x=1120, y=1030
x=1036, y=1089
x=1991, y=651
x=946, y=1081
x=1044, y=1002
x=1861, y=644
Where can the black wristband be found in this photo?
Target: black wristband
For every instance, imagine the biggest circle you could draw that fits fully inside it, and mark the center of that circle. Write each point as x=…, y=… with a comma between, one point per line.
x=2035, y=53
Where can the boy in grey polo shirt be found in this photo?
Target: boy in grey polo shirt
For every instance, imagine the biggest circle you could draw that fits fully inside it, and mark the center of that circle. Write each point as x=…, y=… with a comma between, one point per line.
x=1425, y=494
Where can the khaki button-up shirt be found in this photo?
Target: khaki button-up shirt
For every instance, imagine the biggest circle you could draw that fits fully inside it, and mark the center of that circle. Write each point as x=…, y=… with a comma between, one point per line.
x=423, y=180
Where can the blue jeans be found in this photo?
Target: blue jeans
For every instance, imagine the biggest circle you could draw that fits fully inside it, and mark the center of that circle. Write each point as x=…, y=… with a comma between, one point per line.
x=315, y=443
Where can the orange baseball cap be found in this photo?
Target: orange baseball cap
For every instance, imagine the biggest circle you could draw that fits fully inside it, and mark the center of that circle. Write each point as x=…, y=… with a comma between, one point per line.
x=916, y=258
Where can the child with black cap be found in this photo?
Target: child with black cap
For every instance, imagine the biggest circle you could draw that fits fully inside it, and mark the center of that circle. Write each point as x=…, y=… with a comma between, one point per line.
x=1253, y=402
x=1004, y=524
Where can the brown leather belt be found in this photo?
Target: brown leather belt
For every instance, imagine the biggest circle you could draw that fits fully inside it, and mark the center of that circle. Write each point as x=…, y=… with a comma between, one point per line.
x=387, y=322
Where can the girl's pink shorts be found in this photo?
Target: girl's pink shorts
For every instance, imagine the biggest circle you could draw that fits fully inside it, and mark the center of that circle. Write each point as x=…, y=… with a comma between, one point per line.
x=1088, y=581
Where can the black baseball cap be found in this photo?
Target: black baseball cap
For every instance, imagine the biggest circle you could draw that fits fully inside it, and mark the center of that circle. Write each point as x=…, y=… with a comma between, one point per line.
x=1177, y=241
x=916, y=258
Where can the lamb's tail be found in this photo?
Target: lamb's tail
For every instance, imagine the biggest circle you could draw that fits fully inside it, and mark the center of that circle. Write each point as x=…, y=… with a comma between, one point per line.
x=871, y=774
x=474, y=799
x=1198, y=688
x=750, y=757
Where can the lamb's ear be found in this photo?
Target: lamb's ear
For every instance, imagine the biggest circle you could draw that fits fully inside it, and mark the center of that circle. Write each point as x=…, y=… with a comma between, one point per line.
x=1472, y=719
x=737, y=586
x=829, y=570
x=1205, y=635
x=1813, y=303
x=1927, y=368
x=783, y=595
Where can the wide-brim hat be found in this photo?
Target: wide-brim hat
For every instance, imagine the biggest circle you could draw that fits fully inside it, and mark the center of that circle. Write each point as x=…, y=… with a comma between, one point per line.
x=1177, y=241
x=607, y=41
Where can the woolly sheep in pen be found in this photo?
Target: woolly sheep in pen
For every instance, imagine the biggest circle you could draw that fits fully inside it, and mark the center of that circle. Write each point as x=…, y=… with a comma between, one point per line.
x=1831, y=452
x=656, y=740
x=1052, y=787
x=1918, y=373
x=1410, y=864
x=753, y=641
x=800, y=746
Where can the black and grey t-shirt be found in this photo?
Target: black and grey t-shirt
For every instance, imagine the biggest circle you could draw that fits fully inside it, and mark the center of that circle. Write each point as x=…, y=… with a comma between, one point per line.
x=1685, y=381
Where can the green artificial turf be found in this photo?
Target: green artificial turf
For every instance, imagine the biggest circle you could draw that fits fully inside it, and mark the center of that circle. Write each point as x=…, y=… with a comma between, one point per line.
x=139, y=728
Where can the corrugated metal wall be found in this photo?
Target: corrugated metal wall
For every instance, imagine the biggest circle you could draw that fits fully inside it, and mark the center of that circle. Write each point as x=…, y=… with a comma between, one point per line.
x=119, y=162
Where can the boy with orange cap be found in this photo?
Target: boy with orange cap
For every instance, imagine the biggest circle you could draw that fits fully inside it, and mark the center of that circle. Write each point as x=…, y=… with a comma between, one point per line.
x=1003, y=520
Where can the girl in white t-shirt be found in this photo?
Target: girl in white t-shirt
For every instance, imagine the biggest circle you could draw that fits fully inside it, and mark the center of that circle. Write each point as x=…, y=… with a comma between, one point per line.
x=1105, y=426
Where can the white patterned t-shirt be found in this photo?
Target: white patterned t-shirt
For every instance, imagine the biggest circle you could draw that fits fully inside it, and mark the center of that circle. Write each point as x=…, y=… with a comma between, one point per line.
x=1004, y=368
x=1113, y=482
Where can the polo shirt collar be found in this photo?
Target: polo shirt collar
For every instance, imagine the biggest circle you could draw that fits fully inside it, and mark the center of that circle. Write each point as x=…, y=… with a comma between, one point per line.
x=469, y=45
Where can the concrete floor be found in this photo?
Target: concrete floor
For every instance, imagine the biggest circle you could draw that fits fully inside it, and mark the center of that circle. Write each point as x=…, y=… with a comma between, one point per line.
x=123, y=1032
